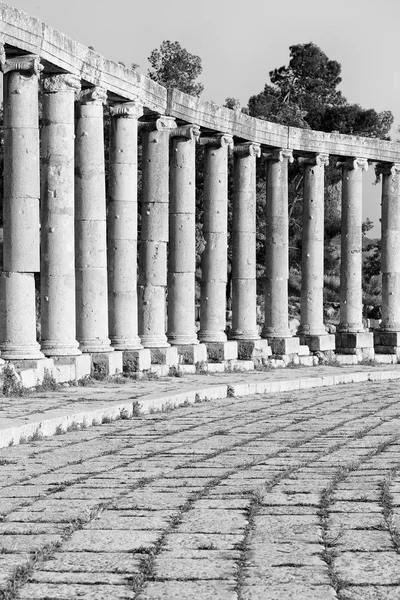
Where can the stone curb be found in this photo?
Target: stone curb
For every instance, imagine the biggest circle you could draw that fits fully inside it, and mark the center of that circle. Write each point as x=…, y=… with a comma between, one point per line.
x=60, y=421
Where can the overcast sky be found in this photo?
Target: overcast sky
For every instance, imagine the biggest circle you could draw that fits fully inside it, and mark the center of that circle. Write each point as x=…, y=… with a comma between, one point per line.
x=240, y=42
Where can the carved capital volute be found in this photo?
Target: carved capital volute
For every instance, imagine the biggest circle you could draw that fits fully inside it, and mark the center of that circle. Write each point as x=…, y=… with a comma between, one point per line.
x=318, y=160
x=95, y=95
x=127, y=110
x=190, y=132
x=392, y=169
x=351, y=163
x=279, y=154
x=60, y=83
x=248, y=149
x=158, y=123
x=2, y=57
x=221, y=140
x=28, y=64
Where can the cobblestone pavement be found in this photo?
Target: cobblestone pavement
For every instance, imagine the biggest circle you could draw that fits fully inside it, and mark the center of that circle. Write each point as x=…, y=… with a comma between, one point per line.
x=292, y=495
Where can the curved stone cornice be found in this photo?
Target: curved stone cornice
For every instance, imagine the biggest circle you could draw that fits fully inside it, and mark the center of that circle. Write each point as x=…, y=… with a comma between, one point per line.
x=32, y=36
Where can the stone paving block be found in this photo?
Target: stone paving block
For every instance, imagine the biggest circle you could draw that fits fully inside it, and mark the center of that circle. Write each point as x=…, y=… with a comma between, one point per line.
x=127, y=520
x=110, y=541
x=53, y=591
x=367, y=540
x=259, y=570
x=376, y=592
x=291, y=591
x=91, y=578
x=195, y=590
x=26, y=543
x=199, y=541
x=213, y=521
x=91, y=562
x=372, y=568
x=167, y=567
x=10, y=562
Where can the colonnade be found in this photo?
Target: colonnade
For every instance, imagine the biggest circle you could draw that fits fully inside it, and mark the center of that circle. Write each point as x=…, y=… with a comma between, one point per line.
x=96, y=297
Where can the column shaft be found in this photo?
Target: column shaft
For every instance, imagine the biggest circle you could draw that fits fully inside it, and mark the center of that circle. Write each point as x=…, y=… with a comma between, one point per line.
x=277, y=247
x=244, y=293
x=122, y=227
x=312, y=263
x=214, y=262
x=21, y=257
x=90, y=224
x=57, y=217
x=154, y=233
x=182, y=237
x=351, y=247
x=390, y=248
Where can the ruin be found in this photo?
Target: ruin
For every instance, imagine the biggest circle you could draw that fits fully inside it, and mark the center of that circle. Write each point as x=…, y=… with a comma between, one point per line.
x=98, y=301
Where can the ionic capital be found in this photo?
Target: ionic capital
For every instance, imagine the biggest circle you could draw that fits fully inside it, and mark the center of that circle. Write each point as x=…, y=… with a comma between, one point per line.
x=127, y=110
x=351, y=163
x=190, y=132
x=158, y=123
x=392, y=169
x=93, y=95
x=60, y=83
x=30, y=64
x=221, y=140
x=248, y=149
x=279, y=154
x=2, y=56
x=318, y=160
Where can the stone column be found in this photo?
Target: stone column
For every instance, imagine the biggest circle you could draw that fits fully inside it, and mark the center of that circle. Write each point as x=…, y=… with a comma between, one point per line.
x=122, y=227
x=214, y=261
x=21, y=257
x=351, y=336
x=312, y=330
x=387, y=340
x=154, y=232
x=276, y=328
x=182, y=237
x=244, y=293
x=57, y=217
x=90, y=224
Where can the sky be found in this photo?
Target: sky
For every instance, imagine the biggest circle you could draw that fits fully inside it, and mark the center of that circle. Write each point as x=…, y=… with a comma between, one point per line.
x=240, y=42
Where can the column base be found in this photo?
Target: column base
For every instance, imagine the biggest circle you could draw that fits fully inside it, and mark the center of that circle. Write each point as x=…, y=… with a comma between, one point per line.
x=182, y=340
x=243, y=335
x=55, y=348
x=135, y=361
x=387, y=342
x=211, y=336
x=72, y=368
x=221, y=351
x=190, y=355
x=105, y=364
x=164, y=356
x=254, y=350
x=349, y=343
x=24, y=352
x=319, y=343
x=284, y=345
x=154, y=341
x=95, y=345
x=121, y=343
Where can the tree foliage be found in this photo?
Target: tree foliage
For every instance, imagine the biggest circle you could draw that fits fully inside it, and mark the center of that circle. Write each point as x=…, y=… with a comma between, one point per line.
x=174, y=67
x=304, y=94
